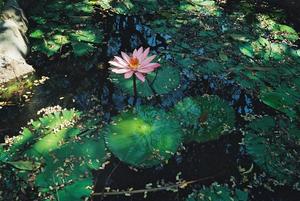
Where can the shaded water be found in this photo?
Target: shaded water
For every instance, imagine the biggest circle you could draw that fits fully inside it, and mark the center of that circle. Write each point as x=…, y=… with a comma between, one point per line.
x=72, y=84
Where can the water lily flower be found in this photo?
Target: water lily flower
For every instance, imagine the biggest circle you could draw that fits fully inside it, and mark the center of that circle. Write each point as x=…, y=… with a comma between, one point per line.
x=138, y=63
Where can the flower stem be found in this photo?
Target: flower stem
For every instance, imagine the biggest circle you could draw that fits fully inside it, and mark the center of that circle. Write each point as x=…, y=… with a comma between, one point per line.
x=134, y=89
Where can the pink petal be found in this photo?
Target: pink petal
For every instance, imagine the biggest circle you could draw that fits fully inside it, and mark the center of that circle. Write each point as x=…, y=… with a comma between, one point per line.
x=134, y=53
x=120, y=70
x=117, y=64
x=145, y=53
x=146, y=70
x=125, y=57
x=140, y=76
x=151, y=65
x=128, y=75
x=121, y=61
x=139, y=53
x=148, y=60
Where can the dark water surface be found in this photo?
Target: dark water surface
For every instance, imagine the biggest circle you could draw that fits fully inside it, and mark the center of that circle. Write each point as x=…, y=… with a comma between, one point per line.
x=72, y=84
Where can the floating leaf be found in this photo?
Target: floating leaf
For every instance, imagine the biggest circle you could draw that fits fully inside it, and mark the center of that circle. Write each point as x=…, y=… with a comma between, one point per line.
x=90, y=35
x=82, y=49
x=72, y=162
x=68, y=22
x=76, y=191
x=204, y=118
x=143, y=137
x=24, y=165
x=273, y=146
x=210, y=67
x=283, y=98
x=67, y=159
x=247, y=50
x=282, y=32
x=37, y=34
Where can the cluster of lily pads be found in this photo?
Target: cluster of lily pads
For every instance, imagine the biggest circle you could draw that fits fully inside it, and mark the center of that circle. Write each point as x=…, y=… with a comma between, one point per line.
x=62, y=23
x=56, y=155
x=260, y=56
x=273, y=143
x=61, y=149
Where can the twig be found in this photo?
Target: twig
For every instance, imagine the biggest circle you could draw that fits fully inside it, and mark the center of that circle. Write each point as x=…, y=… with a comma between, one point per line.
x=182, y=184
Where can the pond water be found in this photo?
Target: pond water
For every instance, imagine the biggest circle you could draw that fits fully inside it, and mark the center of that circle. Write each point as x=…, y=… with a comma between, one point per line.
x=84, y=85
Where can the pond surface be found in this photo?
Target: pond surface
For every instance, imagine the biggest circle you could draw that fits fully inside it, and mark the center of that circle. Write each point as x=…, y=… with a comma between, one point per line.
x=83, y=84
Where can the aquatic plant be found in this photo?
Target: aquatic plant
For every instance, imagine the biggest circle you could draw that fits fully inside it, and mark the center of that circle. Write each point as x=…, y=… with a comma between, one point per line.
x=14, y=90
x=217, y=192
x=143, y=137
x=204, y=118
x=59, y=151
x=284, y=98
x=44, y=135
x=265, y=51
x=137, y=65
x=134, y=7
x=72, y=26
x=162, y=81
x=274, y=146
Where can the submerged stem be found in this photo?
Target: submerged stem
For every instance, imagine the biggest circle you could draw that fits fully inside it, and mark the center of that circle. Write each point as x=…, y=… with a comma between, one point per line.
x=134, y=89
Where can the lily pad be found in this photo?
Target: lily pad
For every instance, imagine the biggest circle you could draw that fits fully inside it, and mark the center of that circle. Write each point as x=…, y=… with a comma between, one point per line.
x=165, y=79
x=283, y=98
x=55, y=153
x=72, y=162
x=76, y=191
x=273, y=145
x=143, y=137
x=43, y=135
x=204, y=118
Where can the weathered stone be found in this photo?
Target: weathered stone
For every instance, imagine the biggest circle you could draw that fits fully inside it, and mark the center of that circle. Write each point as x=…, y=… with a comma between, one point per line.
x=13, y=48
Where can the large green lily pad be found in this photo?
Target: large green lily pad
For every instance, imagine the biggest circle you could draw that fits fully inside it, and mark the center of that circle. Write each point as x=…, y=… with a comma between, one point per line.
x=143, y=137
x=204, y=118
x=273, y=145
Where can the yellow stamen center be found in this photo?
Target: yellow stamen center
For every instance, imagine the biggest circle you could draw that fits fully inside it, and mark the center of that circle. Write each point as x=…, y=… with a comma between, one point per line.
x=134, y=63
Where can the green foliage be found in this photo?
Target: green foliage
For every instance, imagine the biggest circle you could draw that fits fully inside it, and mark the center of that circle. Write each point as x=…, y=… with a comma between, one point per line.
x=143, y=137
x=45, y=134
x=204, y=118
x=165, y=79
x=260, y=56
x=134, y=7
x=274, y=146
x=65, y=23
x=218, y=192
x=60, y=150
x=72, y=164
x=16, y=88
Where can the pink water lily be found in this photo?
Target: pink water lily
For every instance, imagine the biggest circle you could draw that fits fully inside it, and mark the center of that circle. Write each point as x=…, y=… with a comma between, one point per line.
x=139, y=64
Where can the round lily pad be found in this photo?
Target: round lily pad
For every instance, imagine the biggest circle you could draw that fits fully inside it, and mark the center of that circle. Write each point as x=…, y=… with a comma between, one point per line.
x=143, y=137
x=163, y=80
x=273, y=145
x=74, y=161
x=204, y=118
